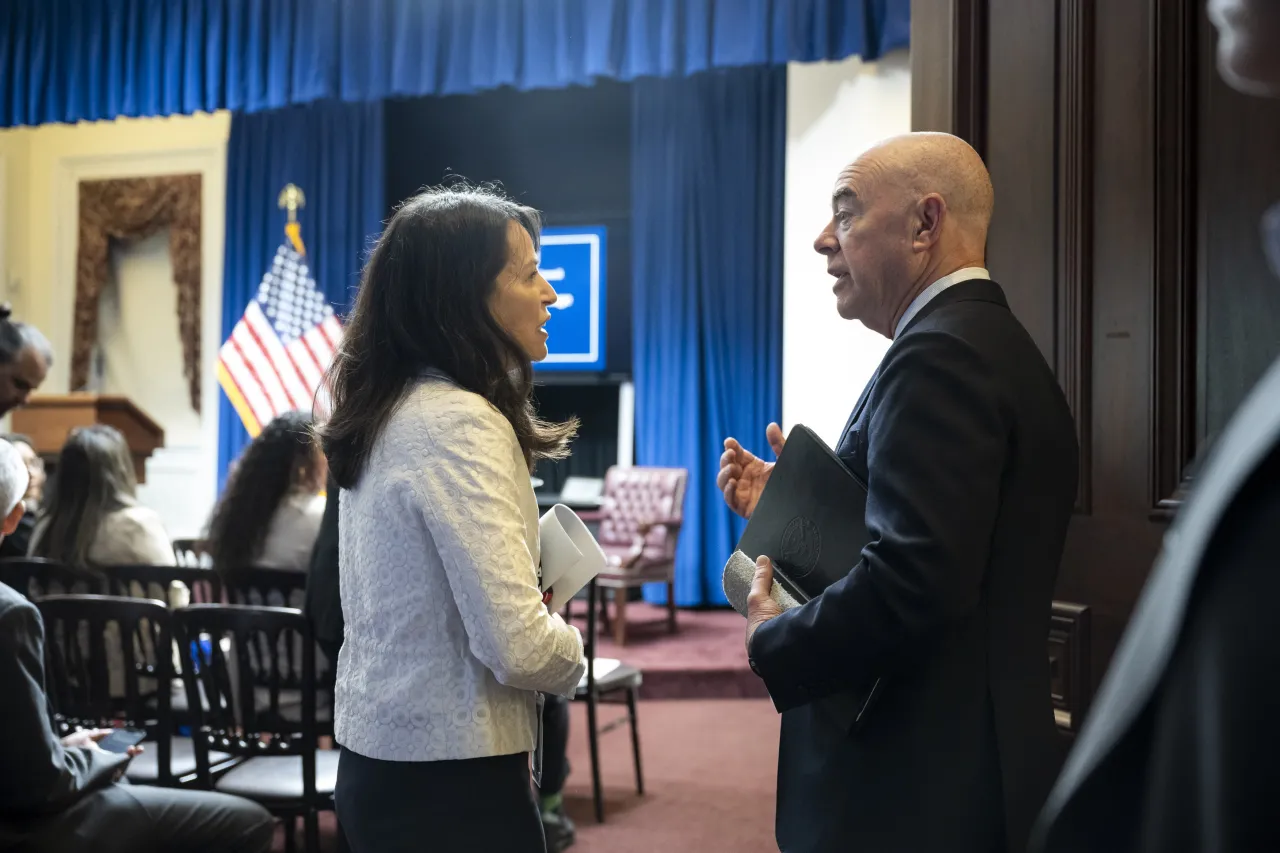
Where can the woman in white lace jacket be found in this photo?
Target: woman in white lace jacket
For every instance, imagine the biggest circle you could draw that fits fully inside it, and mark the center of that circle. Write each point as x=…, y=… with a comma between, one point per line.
x=432, y=440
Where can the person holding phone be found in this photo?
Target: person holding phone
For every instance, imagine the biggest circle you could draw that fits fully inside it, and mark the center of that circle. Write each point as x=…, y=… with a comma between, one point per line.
x=447, y=641
x=69, y=793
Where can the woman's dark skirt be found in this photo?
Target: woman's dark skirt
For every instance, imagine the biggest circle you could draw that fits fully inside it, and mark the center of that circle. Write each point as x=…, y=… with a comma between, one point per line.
x=475, y=804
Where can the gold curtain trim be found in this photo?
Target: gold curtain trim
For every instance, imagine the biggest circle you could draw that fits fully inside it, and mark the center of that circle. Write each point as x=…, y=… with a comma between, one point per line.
x=134, y=209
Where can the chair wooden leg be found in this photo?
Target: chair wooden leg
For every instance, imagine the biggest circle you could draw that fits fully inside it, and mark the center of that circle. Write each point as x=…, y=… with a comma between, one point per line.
x=620, y=616
x=635, y=739
x=290, y=833
x=311, y=831
x=593, y=745
x=671, y=606
x=605, y=622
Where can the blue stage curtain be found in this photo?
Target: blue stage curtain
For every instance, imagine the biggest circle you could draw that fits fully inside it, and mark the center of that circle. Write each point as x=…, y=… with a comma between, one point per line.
x=70, y=60
x=707, y=200
x=334, y=153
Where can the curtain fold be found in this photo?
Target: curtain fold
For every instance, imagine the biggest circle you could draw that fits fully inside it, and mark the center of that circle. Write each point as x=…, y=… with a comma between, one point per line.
x=134, y=209
x=707, y=202
x=72, y=60
x=334, y=152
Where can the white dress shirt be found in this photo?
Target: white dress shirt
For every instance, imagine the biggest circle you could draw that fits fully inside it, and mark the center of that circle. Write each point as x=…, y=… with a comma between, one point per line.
x=923, y=297
x=446, y=637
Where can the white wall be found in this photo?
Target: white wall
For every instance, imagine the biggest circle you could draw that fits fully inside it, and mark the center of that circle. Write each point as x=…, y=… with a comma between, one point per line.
x=835, y=111
x=40, y=170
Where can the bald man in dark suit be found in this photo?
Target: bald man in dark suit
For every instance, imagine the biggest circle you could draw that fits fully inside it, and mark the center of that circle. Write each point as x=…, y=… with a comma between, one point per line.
x=969, y=453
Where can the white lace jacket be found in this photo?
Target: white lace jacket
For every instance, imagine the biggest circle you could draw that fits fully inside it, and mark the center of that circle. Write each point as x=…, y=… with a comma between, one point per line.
x=446, y=637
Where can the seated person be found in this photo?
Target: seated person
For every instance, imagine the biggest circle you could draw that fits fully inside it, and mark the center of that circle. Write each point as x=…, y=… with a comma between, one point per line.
x=17, y=542
x=93, y=518
x=270, y=511
x=67, y=794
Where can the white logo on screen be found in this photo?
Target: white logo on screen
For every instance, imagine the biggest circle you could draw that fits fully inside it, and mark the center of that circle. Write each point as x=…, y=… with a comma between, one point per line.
x=557, y=274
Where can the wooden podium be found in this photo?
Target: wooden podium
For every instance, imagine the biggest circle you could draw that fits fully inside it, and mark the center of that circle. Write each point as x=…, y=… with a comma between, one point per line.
x=48, y=419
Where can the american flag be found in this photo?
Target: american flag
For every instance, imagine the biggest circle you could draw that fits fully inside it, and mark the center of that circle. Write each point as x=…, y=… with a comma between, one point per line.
x=276, y=357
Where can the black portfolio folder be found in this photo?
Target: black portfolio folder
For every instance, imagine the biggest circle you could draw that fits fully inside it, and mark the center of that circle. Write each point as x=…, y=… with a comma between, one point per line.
x=811, y=518
x=811, y=522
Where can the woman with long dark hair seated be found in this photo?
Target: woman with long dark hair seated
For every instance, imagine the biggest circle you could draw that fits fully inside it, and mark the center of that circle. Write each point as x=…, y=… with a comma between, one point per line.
x=270, y=511
x=433, y=436
x=93, y=517
x=92, y=520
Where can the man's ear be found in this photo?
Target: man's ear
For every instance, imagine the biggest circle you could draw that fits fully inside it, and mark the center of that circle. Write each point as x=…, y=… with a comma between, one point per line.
x=12, y=519
x=932, y=210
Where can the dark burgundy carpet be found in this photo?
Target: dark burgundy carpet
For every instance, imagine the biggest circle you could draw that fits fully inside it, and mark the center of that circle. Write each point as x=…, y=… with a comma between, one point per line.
x=709, y=768
x=704, y=659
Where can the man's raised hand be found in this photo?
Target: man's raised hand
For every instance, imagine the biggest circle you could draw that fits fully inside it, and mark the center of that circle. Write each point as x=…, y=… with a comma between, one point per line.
x=743, y=475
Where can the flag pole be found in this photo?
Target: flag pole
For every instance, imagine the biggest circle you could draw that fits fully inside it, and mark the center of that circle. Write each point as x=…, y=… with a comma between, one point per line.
x=291, y=198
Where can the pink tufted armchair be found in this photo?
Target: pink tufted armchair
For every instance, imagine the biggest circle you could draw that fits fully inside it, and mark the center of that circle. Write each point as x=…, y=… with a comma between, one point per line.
x=640, y=523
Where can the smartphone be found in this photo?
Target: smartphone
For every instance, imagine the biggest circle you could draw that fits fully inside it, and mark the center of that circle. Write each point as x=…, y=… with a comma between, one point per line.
x=121, y=739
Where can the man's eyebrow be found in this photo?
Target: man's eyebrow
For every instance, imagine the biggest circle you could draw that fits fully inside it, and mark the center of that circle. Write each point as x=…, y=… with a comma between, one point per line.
x=843, y=194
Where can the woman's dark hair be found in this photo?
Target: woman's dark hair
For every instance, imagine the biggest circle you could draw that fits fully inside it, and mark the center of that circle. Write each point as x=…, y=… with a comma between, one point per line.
x=94, y=478
x=281, y=458
x=424, y=303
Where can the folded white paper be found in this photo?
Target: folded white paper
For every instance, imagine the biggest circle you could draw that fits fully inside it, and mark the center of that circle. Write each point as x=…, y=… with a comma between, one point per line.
x=571, y=557
x=739, y=572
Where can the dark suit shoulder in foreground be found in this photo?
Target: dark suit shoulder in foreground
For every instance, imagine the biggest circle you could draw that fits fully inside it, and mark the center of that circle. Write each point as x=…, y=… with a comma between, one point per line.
x=1194, y=769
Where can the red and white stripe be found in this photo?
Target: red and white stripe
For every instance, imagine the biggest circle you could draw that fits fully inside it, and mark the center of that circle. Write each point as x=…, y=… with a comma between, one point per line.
x=274, y=378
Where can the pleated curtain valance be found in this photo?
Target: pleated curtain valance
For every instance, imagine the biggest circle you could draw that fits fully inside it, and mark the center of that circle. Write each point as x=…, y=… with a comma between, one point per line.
x=72, y=60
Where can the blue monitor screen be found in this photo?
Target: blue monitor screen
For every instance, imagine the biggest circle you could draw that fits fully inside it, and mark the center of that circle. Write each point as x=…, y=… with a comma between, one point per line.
x=573, y=262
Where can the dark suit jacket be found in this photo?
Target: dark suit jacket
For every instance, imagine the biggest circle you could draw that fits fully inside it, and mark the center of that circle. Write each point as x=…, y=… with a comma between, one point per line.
x=970, y=457
x=323, y=604
x=1180, y=748
x=40, y=776
x=15, y=544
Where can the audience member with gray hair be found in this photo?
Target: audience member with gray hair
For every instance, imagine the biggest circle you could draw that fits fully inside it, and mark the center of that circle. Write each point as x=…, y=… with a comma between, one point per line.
x=18, y=540
x=13, y=486
x=25, y=359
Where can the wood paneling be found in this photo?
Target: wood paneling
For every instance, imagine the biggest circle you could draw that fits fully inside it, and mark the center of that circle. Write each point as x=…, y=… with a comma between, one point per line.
x=1069, y=663
x=1085, y=133
x=1173, y=402
x=1021, y=80
x=1073, y=319
x=948, y=46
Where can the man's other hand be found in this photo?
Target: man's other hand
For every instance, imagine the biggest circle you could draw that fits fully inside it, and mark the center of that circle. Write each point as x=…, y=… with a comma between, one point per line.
x=743, y=475
x=760, y=605
x=90, y=738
